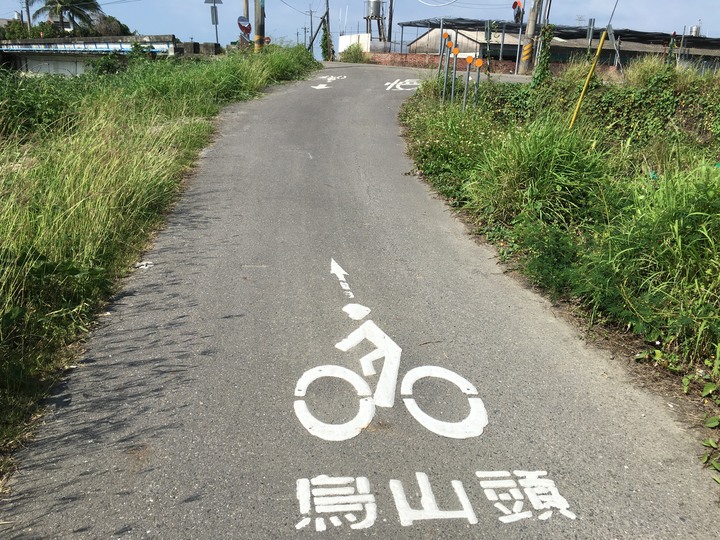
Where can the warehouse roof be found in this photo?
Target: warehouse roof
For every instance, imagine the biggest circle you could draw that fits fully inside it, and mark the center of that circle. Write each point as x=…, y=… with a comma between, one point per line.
x=564, y=32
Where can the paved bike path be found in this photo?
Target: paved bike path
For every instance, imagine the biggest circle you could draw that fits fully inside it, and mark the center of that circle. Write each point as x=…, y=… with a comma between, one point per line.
x=180, y=421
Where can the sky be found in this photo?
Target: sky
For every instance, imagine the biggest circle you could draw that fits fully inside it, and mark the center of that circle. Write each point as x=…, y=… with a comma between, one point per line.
x=286, y=19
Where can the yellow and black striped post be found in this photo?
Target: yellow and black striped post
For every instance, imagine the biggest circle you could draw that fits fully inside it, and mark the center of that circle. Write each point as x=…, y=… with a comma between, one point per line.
x=259, y=25
x=529, y=42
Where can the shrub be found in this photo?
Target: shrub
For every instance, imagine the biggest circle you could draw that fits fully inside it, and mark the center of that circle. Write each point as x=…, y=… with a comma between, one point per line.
x=354, y=54
x=658, y=265
x=79, y=203
x=622, y=213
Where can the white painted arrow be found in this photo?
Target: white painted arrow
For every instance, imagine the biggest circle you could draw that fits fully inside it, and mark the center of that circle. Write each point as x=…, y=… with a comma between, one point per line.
x=336, y=269
x=321, y=87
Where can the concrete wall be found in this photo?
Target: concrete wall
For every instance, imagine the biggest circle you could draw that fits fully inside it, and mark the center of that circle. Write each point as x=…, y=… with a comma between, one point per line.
x=351, y=39
x=65, y=65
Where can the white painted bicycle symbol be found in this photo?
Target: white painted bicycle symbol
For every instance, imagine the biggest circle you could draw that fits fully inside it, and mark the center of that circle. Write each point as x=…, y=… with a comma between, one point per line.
x=384, y=395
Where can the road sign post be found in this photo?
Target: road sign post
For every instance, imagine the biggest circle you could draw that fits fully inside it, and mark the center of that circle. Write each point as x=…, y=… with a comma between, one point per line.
x=214, y=16
x=245, y=29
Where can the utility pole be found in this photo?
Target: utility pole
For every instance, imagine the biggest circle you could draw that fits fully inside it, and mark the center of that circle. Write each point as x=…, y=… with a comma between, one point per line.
x=259, y=24
x=390, y=18
x=330, y=47
x=546, y=15
x=529, y=41
x=27, y=12
x=246, y=9
x=310, y=11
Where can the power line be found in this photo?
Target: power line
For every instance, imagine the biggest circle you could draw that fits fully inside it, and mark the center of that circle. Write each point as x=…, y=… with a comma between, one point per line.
x=119, y=2
x=293, y=7
x=467, y=5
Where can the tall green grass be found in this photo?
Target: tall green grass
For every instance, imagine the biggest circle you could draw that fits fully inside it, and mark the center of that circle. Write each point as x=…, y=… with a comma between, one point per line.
x=621, y=214
x=83, y=183
x=354, y=54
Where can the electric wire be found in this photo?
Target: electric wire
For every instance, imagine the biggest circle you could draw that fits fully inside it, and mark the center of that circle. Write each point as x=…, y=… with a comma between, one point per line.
x=293, y=7
x=466, y=5
x=437, y=5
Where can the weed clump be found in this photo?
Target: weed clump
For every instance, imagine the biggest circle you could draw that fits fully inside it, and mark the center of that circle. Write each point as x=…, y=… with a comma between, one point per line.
x=354, y=55
x=88, y=167
x=620, y=214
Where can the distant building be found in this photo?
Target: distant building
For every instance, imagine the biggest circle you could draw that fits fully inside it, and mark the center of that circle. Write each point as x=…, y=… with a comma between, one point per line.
x=66, y=27
x=472, y=36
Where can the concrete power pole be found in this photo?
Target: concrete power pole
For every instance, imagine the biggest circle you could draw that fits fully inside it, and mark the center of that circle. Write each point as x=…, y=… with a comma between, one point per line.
x=329, y=35
x=529, y=41
x=390, y=21
x=259, y=24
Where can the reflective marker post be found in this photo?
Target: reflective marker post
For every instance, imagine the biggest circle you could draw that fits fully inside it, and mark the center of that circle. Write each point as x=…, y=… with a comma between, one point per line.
x=449, y=45
x=469, y=59
x=455, y=52
x=443, y=37
x=478, y=63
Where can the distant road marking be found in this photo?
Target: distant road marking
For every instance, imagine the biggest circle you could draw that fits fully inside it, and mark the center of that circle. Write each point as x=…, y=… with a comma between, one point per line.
x=403, y=85
x=328, y=79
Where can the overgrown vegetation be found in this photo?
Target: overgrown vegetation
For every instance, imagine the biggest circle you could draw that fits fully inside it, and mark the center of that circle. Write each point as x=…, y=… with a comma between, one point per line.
x=88, y=166
x=99, y=25
x=620, y=215
x=326, y=47
x=354, y=55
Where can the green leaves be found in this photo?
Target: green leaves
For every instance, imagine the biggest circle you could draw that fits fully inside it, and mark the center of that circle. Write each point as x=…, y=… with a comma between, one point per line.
x=623, y=220
x=29, y=104
x=621, y=215
x=710, y=443
x=354, y=54
x=708, y=389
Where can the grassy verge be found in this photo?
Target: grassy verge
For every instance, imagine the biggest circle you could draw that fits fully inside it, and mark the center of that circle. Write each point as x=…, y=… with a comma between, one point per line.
x=620, y=214
x=88, y=168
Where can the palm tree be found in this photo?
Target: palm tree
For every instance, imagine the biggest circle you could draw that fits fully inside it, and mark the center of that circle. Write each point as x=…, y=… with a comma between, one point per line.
x=76, y=10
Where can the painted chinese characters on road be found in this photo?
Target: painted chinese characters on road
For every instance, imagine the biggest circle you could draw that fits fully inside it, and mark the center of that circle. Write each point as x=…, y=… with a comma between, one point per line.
x=348, y=501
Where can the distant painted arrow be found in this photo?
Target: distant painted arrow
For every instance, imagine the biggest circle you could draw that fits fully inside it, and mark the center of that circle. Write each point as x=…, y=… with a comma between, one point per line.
x=321, y=87
x=336, y=269
x=339, y=273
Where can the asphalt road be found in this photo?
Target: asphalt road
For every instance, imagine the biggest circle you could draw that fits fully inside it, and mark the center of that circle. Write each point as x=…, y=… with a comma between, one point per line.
x=197, y=411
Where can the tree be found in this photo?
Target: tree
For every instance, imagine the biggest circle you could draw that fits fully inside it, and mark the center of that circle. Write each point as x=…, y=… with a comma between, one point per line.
x=105, y=25
x=326, y=43
x=17, y=30
x=77, y=11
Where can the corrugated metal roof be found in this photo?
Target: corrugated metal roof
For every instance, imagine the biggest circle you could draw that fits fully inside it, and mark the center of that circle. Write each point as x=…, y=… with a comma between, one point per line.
x=565, y=32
